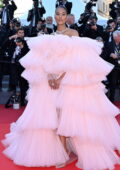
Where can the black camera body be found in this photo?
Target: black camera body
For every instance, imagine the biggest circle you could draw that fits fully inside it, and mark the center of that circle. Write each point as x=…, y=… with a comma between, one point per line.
x=88, y=13
x=60, y=2
x=6, y=1
x=91, y=23
x=90, y=4
x=115, y=9
x=108, y=28
x=35, y=1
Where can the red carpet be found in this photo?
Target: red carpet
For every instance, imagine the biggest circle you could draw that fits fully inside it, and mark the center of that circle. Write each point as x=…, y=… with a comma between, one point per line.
x=6, y=117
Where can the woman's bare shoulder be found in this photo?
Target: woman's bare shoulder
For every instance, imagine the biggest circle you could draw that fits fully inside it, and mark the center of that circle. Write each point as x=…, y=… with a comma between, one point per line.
x=73, y=32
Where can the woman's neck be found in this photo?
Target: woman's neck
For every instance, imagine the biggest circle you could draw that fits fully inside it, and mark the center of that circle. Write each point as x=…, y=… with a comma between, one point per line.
x=61, y=27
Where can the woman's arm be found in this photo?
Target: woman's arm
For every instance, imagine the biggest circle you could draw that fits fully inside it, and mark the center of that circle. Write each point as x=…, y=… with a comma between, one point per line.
x=58, y=81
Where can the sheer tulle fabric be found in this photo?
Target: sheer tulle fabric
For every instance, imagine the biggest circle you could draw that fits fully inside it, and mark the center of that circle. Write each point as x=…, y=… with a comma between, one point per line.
x=86, y=115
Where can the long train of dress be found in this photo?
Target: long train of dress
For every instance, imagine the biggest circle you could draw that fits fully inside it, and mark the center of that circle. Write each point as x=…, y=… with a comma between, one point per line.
x=86, y=115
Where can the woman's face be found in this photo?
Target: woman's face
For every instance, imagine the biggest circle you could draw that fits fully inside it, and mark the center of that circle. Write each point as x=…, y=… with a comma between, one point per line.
x=60, y=16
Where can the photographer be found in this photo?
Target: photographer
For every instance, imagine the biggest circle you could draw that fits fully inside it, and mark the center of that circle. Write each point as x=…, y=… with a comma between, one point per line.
x=7, y=12
x=34, y=15
x=89, y=5
x=108, y=33
x=39, y=25
x=111, y=53
x=86, y=24
x=81, y=24
x=20, y=50
x=8, y=48
x=118, y=23
x=115, y=9
x=92, y=29
x=9, y=43
x=65, y=3
x=15, y=24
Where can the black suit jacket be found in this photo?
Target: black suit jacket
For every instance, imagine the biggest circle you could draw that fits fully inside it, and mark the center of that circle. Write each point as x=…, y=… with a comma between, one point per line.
x=9, y=47
x=38, y=14
x=107, y=50
x=94, y=33
x=23, y=52
x=107, y=36
x=11, y=8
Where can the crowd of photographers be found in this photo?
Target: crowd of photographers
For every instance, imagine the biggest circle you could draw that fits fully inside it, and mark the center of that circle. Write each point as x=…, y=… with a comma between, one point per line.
x=14, y=36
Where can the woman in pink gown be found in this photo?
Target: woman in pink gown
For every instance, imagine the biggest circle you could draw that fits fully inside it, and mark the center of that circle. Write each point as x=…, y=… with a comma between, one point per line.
x=66, y=100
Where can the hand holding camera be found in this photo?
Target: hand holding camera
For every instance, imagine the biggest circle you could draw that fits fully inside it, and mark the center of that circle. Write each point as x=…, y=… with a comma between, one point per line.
x=109, y=28
x=113, y=55
x=94, y=27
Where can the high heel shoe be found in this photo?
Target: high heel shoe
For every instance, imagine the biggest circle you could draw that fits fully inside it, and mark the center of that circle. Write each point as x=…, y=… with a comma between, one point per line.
x=61, y=165
x=72, y=158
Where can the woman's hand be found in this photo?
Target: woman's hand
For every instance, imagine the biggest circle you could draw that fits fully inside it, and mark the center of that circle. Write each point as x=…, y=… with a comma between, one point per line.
x=54, y=84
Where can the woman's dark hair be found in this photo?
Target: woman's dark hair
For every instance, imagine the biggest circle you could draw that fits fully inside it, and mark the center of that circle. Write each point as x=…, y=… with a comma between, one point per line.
x=63, y=7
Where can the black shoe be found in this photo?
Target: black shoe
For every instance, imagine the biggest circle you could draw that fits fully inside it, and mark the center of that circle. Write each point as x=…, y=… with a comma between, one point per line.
x=8, y=106
x=11, y=89
x=23, y=104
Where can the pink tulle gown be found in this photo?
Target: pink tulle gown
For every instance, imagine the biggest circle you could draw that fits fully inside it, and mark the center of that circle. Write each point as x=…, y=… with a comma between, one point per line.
x=86, y=115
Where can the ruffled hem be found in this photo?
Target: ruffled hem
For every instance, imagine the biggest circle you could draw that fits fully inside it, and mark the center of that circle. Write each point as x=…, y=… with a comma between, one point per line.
x=35, y=148
x=94, y=155
x=87, y=113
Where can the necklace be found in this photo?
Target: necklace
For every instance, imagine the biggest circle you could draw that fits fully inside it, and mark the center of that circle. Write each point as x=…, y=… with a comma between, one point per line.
x=61, y=32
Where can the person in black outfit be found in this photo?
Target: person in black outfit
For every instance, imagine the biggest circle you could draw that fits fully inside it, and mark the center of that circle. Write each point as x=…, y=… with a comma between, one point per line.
x=65, y=3
x=7, y=12
x=8, y=49
x=35, y=15
x=20, y=50
x=23, y=84
x=111, y=53
x=118, y=23
x=92, y=29
x=108, y=33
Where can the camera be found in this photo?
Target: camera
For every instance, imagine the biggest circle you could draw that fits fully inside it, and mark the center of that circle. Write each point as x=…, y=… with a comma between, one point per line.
x=108, y=28
x=35, y=1
x=6, y=1
x=60, y=2
x=115, y=9
x=14, y=99
x=90, y=4
x=88, y=13
x=115, y=5
x=91, y=23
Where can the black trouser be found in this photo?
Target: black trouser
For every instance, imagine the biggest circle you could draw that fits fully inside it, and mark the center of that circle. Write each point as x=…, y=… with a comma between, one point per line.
x=23, y=89
x=23, y=84
x=113, y=78
x=4, y=70
x=16, y=79
x=13, y=76
x=1, y=74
